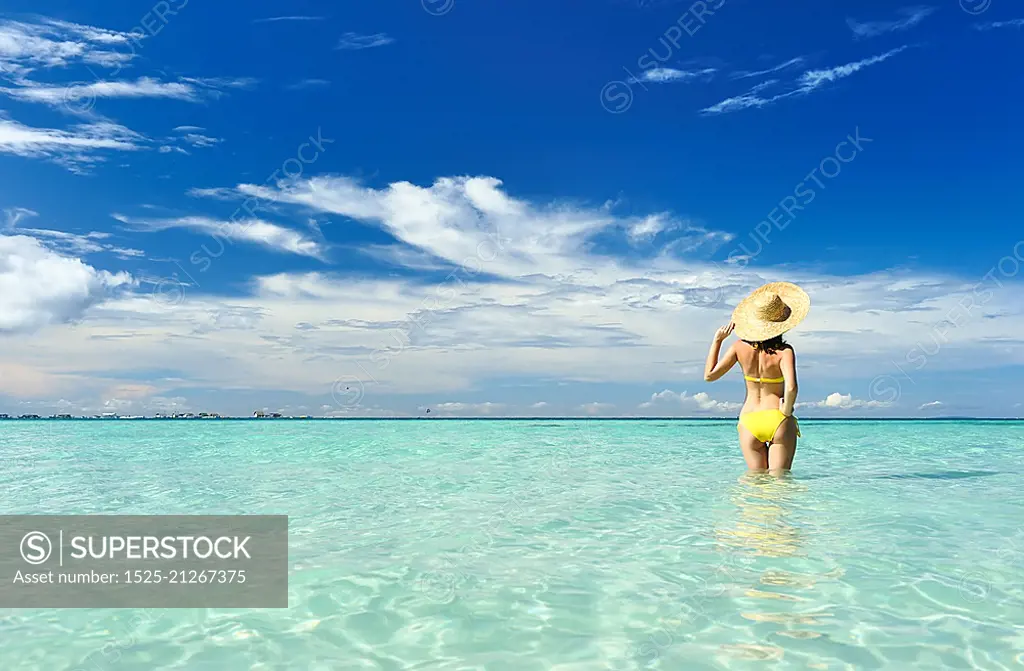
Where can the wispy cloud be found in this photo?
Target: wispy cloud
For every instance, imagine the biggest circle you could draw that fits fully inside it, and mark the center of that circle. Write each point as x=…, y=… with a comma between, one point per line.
x=354, y=41
x=308, y=84
x=401, y=256
x=668, y=75
x=649, y=227
x=167, y=149
x=80, y=98
x=539, y=302
x=215, y=87
x=47, y=43
x=791, y=63
x=274, y=19
x=933, y=404
x=75, y=149
x=1015, y=23
x=190, y=135
x=79, y=244
x=12, y=215
x=808, y=82
x=911, y=17
x=257, y=231
x=218, y=193
x=813, y=79
x=144, y=87
x=751, y=98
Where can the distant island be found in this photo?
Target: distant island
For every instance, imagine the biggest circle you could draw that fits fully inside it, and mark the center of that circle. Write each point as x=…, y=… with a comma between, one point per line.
x=259, y=414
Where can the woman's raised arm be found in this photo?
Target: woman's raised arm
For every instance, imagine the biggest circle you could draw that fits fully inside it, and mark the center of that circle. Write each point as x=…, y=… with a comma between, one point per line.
x=713, y=368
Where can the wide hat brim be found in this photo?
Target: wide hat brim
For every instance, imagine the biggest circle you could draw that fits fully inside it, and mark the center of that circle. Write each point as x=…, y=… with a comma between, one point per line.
x=751, y=326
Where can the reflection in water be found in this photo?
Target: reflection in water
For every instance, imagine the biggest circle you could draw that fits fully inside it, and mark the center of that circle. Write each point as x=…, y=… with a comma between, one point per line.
x=772, y=538
x=765, y=503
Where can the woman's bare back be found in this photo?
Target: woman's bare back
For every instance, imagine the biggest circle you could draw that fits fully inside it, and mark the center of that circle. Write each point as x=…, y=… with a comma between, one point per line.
x=760, y=365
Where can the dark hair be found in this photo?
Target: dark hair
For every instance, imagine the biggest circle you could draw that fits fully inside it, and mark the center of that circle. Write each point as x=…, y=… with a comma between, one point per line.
x=772, y=345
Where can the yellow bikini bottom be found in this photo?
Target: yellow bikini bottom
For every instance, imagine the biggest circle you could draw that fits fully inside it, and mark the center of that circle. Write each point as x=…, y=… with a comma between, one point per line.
x=763, y=424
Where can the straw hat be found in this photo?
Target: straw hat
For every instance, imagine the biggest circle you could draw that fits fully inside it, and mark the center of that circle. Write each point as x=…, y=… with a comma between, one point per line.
x=770, y=311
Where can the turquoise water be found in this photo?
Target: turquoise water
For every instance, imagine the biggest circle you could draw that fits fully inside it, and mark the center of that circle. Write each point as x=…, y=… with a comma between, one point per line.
x=564, y=545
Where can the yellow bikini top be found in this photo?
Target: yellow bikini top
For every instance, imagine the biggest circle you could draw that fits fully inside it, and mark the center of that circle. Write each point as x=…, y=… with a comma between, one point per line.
x=774, y=380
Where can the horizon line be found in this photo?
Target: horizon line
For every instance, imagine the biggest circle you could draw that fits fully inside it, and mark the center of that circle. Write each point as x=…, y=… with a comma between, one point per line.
x=35, y=417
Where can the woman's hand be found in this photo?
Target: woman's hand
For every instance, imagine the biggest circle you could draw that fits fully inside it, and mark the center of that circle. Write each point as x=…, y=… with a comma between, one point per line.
x=723, y=333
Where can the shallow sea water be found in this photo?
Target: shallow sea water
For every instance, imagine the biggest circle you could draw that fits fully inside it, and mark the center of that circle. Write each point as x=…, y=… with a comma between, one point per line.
x=553, y=545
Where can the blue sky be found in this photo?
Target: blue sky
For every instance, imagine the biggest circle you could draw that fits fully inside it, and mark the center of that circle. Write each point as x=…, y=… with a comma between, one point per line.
x=505, y=209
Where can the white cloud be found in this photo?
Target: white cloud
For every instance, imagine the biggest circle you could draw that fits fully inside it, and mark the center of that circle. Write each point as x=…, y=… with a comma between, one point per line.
x=25, y=47
x=93, y=34
x=193, y=136
x=539, y=404
x=531, y=298
x=933, y=404
x=462, y=218
x=354, y=41
x=700, y=401
x=167, y=149
x=199, y=140
x=649, y=227
x=275, y=19
x=791, y=63
x=808, y=82
x=218, y=193
x=596, y=408
x=751, y=98
x=75, y=149
x=1015, y=23
x=70, y=243
x=837, y=401
x=466, y=409
x=258, y=231
x=218, y=84
x=308, y=84
x=813, y=79
x=143, y=87
x=15, y=214
x=911, y=17
x=124, y=400
x=666, y=75
x=39, y=287
x=77, y=244
x=79, y=98
x=401, y=256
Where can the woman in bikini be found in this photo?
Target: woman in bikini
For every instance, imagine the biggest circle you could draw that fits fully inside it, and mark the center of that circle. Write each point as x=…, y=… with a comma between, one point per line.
x=768, y=430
